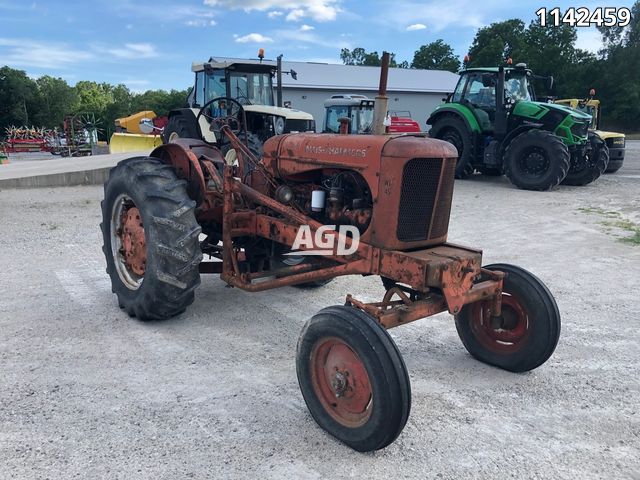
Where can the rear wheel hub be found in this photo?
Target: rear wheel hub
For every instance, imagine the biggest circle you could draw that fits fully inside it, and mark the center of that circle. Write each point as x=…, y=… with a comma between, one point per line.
x=534, y=162
x=128, y=244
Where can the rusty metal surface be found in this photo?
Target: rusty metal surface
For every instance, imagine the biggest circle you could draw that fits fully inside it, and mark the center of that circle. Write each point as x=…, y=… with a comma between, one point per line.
x=442, y=276
x=133, y=241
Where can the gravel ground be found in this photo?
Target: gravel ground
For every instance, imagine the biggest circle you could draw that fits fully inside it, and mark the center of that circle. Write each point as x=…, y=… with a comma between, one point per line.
x=86, y=392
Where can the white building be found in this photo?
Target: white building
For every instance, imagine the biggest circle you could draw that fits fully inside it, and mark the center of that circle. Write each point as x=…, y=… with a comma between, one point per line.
x=416, y=91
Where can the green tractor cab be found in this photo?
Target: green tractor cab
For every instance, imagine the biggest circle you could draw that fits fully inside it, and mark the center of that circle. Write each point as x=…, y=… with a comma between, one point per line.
x=493, y=120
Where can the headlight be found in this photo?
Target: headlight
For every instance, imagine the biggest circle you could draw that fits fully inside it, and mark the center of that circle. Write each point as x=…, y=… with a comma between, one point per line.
x=279, y=125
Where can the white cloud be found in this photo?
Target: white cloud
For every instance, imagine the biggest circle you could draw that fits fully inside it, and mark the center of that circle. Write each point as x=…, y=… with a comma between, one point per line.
x=306, y=28
x=295, y=15
x=319, y=10
x=274, y=14
x=134, y=51
x=253, y=38
x=200, y=23
x=416, y=26
x=33, y=53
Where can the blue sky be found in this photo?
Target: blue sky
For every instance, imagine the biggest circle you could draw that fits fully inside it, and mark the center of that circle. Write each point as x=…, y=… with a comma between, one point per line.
x=151, y=43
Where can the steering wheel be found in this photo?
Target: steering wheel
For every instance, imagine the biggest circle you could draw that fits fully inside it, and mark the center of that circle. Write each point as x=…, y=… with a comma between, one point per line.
x=222, y=111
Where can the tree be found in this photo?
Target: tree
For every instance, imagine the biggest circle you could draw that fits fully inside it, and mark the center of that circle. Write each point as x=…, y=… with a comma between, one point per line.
x=492, y=45
x=55, y=99
x=359, y=56
x=93, y=97
x=18, y=95
x=436, y=55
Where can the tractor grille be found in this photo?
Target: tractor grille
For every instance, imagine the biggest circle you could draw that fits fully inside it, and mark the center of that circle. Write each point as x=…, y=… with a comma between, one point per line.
x=420, y=201
x=580, y=129
x=440, y=224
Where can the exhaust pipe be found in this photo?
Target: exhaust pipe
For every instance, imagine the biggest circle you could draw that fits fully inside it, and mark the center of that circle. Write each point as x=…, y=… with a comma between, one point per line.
x=381, y=105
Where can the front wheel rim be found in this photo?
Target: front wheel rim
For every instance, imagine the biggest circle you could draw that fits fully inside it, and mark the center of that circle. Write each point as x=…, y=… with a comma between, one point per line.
x=128, y=244
x=510, y=334
x=341, y=383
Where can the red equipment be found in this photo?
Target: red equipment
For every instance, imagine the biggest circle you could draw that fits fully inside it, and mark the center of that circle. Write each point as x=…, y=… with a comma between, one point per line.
x=393, y=196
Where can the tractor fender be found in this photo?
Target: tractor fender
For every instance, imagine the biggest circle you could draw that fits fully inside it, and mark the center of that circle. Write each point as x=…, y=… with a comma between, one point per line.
x=184, y=156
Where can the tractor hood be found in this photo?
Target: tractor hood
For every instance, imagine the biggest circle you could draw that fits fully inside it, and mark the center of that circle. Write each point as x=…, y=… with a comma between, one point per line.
x=576, y=114
x=287, y=113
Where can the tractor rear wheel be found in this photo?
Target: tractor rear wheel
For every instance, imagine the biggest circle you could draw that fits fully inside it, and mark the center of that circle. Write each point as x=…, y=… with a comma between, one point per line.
x=150, y=238
x=453, y=130
x=588, y=167
x=178, y=127
x=527, y=332
x=353, y=378
x=536, y=160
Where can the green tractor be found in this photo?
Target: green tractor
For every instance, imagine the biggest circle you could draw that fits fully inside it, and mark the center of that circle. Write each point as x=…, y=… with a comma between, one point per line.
x=498, y=128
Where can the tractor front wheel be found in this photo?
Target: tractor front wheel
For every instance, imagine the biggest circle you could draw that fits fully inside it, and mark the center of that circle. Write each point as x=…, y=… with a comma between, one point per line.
x=150, y=235
x=353, y=378
x=527, y=332
x=588, y=167
x=453, y=130
x=536, y=160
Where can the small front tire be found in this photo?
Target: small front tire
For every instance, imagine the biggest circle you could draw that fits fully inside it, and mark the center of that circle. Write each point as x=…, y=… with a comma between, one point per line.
x=529, y=328
x=353, y=378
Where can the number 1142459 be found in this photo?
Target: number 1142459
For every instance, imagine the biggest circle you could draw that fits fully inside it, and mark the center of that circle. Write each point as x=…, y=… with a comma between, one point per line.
x=585, y=17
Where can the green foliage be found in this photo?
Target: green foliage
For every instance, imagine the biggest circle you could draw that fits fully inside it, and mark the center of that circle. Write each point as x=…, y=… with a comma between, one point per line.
x=17, y=96
x=497, y=42
x=45, y=102
x=55, y=98
x=436, y=55
x=358, y=56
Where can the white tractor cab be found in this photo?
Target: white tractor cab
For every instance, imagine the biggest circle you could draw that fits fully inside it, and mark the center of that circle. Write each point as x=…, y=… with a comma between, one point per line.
x=225, y=87
x=359, y=110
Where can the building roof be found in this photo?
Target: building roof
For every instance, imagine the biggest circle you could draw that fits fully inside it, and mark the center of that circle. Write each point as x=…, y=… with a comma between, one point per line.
x=330, y=76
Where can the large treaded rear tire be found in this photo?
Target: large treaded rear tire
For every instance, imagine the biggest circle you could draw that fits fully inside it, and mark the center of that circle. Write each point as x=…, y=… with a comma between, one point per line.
x=171, y=236
x=590, y=168
x=179, y=127
x=453, y=130
x=551, y=152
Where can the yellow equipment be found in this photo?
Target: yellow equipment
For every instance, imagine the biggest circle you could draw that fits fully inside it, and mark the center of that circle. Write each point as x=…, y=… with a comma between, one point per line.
x=130, y=137
x=615, y=141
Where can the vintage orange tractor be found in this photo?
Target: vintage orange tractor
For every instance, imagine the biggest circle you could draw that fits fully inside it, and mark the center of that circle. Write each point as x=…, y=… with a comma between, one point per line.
x=315, y=207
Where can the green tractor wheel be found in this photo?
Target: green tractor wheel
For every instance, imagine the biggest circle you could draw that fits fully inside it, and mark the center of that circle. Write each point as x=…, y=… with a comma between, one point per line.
x=589, y=167
x=453, y=130
x=536, y=160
